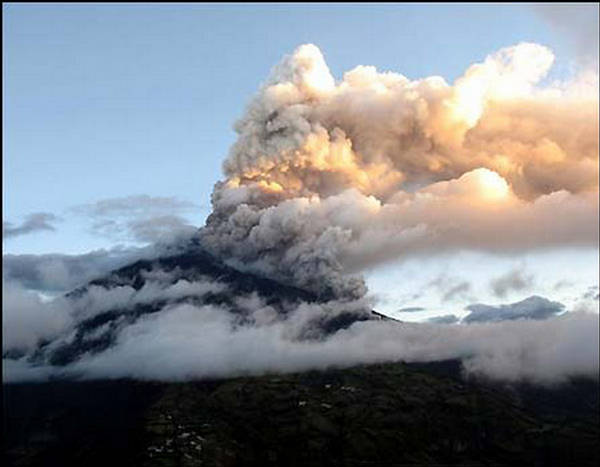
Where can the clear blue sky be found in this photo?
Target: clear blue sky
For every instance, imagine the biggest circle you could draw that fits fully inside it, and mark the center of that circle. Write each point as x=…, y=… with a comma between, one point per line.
x=107, y=100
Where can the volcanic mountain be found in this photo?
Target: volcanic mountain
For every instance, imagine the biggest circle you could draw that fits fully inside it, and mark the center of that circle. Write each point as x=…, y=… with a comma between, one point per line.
x=105, y=306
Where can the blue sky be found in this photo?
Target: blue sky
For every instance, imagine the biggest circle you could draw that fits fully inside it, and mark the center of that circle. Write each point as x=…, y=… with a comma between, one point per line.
x=106, y=101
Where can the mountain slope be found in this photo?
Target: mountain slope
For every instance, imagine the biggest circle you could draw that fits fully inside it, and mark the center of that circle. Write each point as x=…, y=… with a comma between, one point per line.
x=391, y=414
x=106, y=305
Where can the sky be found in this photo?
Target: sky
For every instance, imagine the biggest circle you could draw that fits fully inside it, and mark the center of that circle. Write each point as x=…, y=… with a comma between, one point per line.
x=107, y=106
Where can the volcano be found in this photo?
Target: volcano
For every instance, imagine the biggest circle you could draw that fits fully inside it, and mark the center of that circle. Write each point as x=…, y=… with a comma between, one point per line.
x=191, y=276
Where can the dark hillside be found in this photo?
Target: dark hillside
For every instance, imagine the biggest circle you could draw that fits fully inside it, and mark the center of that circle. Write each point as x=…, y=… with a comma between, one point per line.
x=390, y=414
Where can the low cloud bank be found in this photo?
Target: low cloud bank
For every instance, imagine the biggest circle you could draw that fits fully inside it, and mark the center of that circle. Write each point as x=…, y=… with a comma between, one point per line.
x=27, y=320
x=186, y=339
x=55, y=272
x=187, y=342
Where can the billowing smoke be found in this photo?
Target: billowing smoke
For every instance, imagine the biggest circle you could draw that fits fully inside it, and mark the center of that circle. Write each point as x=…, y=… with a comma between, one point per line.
x=327, y=178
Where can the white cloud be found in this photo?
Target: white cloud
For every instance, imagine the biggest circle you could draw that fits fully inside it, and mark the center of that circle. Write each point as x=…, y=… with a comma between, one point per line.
x=184, y=341
x=27, y=319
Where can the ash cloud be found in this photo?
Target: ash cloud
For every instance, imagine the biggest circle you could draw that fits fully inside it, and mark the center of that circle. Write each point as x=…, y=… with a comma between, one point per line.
x=330, y=177
x=35, y=222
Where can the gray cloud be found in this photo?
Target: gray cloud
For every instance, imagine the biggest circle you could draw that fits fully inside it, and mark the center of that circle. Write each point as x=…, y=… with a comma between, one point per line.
x=592, y=293
x=182, y=341
x=35, y=222
x=411, y=309
x=534, y=307
x=134, y=206
x=59, y=272
x=578, y=22
x=449, y=287
x=185, y=342
x=458, y=290
x=140, y=218
x=516, y=280
x=561, y=284
x=26, y=319
x=164, y=227
x=445, y=319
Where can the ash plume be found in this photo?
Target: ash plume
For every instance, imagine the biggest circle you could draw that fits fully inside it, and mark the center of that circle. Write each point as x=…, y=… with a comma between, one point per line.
x=327, y=178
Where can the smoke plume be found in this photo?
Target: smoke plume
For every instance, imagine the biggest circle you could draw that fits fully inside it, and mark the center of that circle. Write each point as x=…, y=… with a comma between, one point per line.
x=327, y=178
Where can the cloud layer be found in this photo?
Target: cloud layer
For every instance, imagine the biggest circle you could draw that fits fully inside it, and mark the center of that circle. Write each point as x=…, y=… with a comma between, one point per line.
x=186, y=341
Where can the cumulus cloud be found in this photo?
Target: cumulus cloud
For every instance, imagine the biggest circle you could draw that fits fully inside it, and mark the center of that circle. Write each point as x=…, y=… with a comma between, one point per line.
x=533, y=307
x=328, y=178
x=515, y=279
x=35, y=222
x=141, y=218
